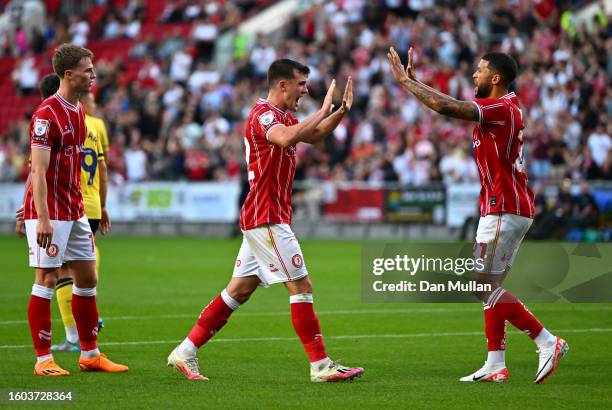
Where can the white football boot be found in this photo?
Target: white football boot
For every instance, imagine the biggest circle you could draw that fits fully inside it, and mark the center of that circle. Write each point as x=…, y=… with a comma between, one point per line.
x=189, y=366
x=334, y=372
x=549, y=359
x=488, y=373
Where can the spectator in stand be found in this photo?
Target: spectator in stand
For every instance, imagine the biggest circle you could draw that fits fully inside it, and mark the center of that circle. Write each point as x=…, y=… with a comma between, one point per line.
x=205, y=33
x=564, y=86
x=180, y=67
x=135, y=159
x=262, y=56
x=600, y=144
x=25, y=75
x=79, y=29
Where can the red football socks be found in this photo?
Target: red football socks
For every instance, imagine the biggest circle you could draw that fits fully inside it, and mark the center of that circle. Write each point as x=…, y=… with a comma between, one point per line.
x=85, y=312
x=39, y=318
x=306, y=325
x=502, y=306
x=211, y=320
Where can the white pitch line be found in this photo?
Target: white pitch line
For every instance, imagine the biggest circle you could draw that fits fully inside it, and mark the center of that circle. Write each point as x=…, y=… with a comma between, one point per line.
x=329, y=312
x=340, y=337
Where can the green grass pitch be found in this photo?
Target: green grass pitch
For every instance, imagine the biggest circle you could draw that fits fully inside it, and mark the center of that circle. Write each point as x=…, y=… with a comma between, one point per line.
x=151, y=290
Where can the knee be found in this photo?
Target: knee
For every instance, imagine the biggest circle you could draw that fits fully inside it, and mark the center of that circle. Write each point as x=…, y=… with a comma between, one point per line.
x=240, y=295
x=86, y=282
x=49, y=281
x=299, y=287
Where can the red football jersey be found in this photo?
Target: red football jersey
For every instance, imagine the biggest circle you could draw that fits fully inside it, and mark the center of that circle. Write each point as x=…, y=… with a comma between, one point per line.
x=498, y=152
x=59, y=127
x=270, y=169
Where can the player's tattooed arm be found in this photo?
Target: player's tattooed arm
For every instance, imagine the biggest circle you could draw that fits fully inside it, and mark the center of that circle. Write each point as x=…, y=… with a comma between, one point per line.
x=434, y=99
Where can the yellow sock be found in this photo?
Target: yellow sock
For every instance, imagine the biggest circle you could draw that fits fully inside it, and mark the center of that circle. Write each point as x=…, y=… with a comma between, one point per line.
x=63, y=290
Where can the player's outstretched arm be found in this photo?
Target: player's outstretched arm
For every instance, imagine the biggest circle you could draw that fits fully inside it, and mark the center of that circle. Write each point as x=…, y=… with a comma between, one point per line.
x=289, y=136
x=434, y=99
x=330, y=123
x=38, y=174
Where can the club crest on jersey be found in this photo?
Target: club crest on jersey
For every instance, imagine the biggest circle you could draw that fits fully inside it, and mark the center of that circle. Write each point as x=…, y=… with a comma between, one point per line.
x=297, y=260
x=40, y=127
x=266, y=118
x=52, y=250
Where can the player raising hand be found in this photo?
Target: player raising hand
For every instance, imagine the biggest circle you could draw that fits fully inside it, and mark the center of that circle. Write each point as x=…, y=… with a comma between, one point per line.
x=270, y=252
x=506, y=202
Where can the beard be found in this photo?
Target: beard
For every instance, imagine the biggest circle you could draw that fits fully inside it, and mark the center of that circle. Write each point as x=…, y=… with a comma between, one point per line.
x=483, y=90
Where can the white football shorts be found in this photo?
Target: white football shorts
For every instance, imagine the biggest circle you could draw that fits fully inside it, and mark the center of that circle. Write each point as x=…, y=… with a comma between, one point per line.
x=272, y=253
x=498, y=239
x=72, y=240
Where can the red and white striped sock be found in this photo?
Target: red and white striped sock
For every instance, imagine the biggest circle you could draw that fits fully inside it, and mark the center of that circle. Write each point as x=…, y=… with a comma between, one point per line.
x=39, y=319
x=85, y=312
x=506, y=306
x=211, y=320
x=306, y=325
x=495, y=330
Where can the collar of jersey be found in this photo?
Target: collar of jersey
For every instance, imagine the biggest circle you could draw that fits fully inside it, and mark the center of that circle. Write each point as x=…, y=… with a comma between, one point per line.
x=261, y=100
x=64, y=102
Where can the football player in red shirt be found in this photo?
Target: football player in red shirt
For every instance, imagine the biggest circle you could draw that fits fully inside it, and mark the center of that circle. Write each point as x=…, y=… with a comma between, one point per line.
x=270, y=252
x=506, y=202
x=56, y=226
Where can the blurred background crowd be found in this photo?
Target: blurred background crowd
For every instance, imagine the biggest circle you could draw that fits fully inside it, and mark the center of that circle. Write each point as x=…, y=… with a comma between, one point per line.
x=175, y=96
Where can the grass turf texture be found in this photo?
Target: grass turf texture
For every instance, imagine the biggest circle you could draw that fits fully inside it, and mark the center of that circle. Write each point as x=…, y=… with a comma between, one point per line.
x=152, y=289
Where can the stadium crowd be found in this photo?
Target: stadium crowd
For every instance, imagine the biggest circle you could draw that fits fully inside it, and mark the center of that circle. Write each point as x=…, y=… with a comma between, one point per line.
x=183, y=117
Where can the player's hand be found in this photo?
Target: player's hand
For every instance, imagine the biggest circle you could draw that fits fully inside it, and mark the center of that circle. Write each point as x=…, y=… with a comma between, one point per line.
x=44, y=233
x=410, y=67
x=105, y=222
x=397, y=69
x=347, y=98
x=327, y=106
x=20, y=229
x=19, y=222
x=19, y=214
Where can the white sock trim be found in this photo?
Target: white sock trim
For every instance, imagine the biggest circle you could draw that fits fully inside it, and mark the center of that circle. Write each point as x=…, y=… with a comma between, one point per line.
x=187, y=348
x=496, y=358
x=44, y=358
x=545, y=338
x=83, y=291
x=229, y=301
x=42, y=292
x=320, y=364
x=301, y=298
x=90, y=354
x=494, y=297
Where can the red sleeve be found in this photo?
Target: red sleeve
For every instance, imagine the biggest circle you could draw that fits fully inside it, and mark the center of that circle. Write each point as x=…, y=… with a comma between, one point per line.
x=40, y=129
x=492, y=110
x=267, y=120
